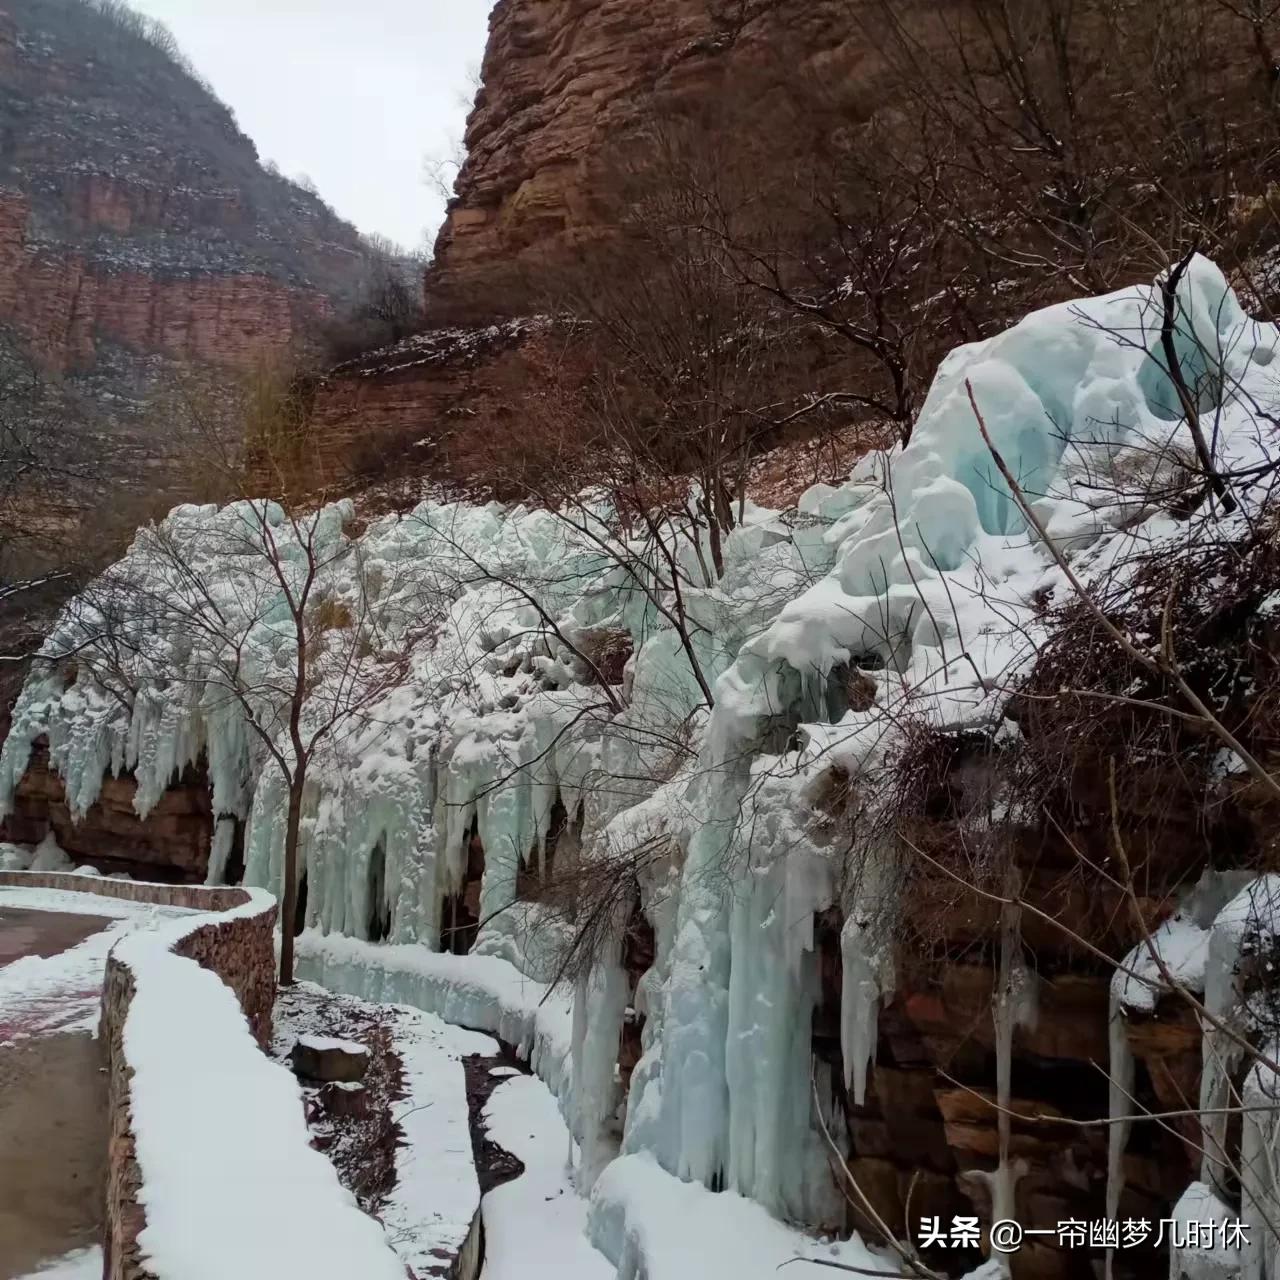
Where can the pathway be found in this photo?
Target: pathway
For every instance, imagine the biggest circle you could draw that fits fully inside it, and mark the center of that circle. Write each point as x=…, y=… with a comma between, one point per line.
x=53, y=1092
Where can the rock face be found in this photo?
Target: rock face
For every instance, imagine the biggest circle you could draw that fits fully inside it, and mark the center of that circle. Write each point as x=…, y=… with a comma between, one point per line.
x=429, y=400
x=564, y=85
x=564, y=81
x=135, y=215
x=62, y=304
x=171, y=846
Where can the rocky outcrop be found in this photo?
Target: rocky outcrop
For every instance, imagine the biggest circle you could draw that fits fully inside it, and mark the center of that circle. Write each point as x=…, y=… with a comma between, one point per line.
x=433, y=403
x=566, y=81
x=172, y=845
x=62, y=303
x=565, y=85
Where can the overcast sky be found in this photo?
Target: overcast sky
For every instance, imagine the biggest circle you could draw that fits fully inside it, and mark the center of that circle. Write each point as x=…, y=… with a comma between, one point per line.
x=354, y=94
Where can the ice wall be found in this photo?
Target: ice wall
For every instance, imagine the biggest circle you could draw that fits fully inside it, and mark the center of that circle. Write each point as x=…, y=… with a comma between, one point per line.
x=916, y=578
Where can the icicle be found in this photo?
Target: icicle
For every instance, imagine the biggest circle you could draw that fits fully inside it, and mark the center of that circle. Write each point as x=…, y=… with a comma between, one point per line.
x=1221, y=1054
x=1260, y=1176
x=867, y=967
x=599, y=1004
x=1119, y=1101
x=224, y=836
x=1006, y=1005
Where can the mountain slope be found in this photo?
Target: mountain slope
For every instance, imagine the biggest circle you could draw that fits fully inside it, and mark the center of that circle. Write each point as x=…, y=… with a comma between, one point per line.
x=135, y=213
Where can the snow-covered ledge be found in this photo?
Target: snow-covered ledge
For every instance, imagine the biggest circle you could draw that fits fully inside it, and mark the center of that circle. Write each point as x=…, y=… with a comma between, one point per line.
x=211, y=1173
x=483, y=993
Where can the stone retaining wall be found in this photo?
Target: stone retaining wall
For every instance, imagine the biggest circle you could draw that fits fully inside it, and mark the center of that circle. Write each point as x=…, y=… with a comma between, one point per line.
x=232, y=938
x=239, y=949
x=192, y=897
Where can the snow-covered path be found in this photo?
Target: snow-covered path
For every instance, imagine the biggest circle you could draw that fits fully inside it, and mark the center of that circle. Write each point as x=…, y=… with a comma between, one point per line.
x=535, y=1225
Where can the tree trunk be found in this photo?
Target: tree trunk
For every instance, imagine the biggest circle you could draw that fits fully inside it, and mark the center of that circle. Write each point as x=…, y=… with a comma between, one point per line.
x=289, y=896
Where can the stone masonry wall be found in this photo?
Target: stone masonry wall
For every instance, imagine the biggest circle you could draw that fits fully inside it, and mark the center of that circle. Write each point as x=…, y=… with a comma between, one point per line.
x=238, y=948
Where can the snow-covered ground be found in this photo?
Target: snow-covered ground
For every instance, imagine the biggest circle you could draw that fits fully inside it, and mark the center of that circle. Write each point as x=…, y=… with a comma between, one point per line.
x=535, y=1225
x=643, y=1223
x=429, y=1212
x=83, y=1264
x=483, y=992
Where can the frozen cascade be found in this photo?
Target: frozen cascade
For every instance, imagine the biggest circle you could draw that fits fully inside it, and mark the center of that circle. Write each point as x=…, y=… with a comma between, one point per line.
x=1241, y=927
x=600, y=1000
x=689, y=1086
x=1119, y=1102
x=774, y=1151
x=1014, y=1004
x=1259, y=1165
x=867, y=963
x=1248, y=925
x=496, y=719
x=1180, y=947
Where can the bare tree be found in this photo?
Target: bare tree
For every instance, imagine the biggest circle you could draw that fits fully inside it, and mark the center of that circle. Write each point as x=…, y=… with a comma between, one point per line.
x=260, y=613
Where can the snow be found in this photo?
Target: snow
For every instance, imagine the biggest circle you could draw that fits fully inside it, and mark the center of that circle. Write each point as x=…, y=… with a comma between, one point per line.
x=324, y=1044
x=15, y=857
x=535, y=1225
x=224, y=1187
x=480, y=992
x=70, y=902
x=83, y=1264
x=1183, y=949
x=1215, y=1261
x=49, y=856
x=652, y=1226
x=436, y=1196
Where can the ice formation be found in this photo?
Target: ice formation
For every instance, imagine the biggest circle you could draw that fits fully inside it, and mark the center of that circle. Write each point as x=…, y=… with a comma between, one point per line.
x=919, y=576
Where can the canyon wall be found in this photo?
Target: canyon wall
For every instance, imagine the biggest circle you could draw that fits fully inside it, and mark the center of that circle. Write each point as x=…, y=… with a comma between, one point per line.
x=62, y=303
x=136, y=219
x=565, y=85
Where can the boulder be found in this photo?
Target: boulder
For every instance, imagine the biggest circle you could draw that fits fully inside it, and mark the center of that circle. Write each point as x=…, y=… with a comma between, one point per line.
x=324, y=1058
x=345, y=1098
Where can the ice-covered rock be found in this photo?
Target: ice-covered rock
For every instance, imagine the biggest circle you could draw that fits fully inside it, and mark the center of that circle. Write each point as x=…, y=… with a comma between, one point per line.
x=920, y=574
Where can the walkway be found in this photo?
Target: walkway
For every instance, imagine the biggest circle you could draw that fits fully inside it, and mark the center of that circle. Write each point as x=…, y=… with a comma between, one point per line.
x=53, y=1092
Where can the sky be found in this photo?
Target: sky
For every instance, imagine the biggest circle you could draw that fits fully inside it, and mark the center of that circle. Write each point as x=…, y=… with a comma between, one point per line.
x=356, y=95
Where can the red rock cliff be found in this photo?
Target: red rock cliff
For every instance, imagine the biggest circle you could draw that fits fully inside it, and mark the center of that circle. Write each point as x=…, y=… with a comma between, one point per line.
x=565, y=80
x=61, y=304
x=564, y=85
x=135, y=214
